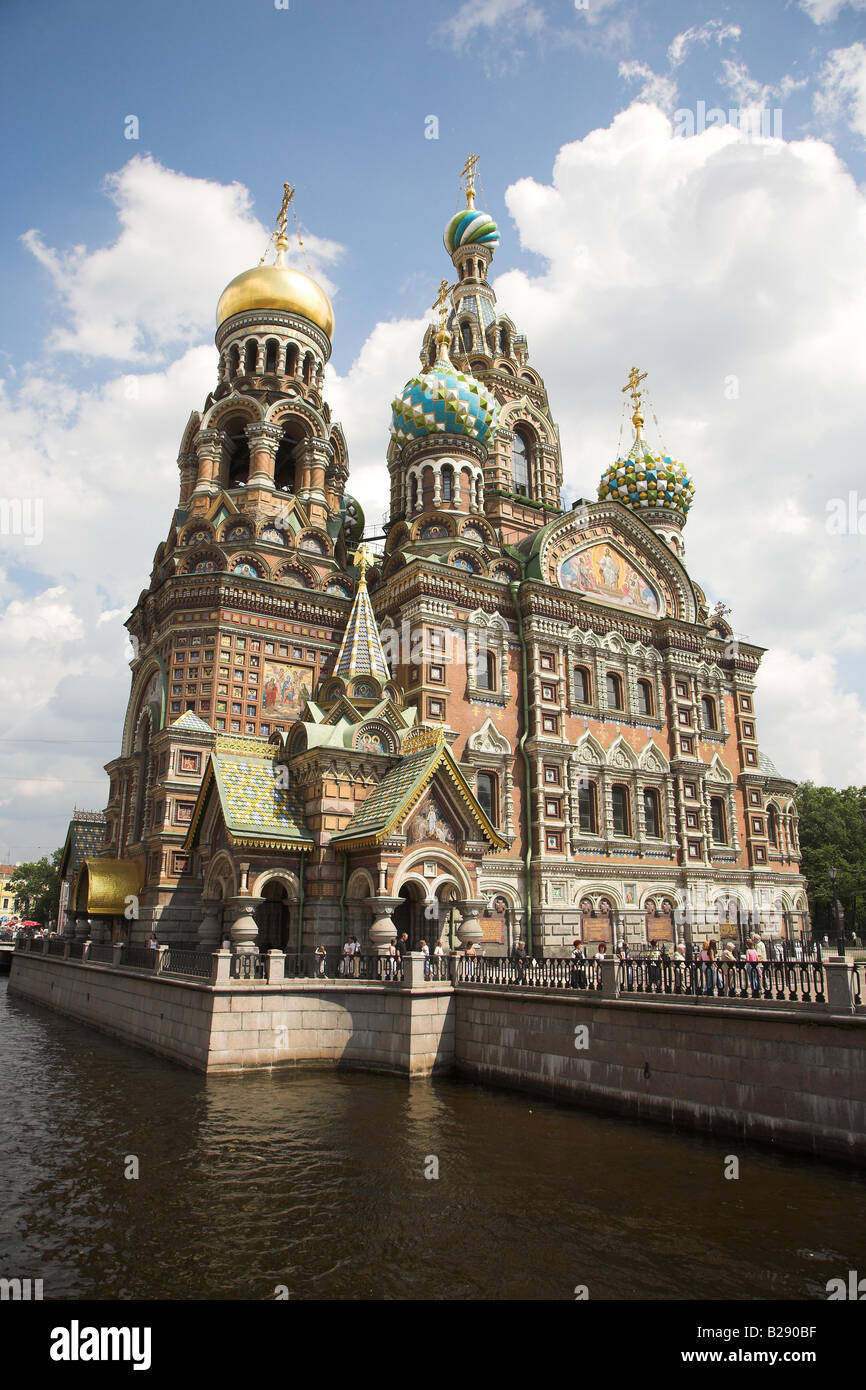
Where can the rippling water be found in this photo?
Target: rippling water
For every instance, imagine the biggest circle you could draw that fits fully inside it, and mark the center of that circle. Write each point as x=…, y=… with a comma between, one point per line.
x=315, y=1180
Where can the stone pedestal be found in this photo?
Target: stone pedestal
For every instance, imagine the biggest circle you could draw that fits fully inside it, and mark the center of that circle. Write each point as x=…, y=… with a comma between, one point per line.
x=469, y=932
x=81, y=928
x=839, y=991
x=210, y=928
x=245, y=930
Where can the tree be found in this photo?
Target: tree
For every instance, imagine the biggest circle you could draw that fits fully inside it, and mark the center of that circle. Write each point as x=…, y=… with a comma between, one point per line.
x=36, y=887
x=833, y=832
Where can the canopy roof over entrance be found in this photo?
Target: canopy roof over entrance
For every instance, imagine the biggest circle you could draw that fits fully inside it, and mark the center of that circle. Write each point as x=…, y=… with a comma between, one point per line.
x=104, y=886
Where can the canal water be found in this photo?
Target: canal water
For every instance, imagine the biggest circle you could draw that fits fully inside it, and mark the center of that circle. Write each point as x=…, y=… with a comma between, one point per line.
x=315, y=1181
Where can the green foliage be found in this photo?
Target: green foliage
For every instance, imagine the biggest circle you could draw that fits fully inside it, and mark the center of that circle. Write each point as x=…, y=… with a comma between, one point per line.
x=36, y=887
x=833, y=832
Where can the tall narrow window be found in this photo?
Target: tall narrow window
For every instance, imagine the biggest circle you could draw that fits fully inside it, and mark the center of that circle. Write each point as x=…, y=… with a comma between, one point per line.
x=614, y=691
x=588, y=808
x=708, y=708
x=582, y=686
x=487, y=798
x=644, y=697
x=520, y=463
x=447, y=483
x=719, y=820
x=466, y=336
x=271, y=355
x=773, y=827
x=621, y=810
x=251, y=356
x=652, y=813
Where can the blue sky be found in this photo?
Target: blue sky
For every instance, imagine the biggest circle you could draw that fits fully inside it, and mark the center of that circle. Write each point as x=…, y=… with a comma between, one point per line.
x=709, y=260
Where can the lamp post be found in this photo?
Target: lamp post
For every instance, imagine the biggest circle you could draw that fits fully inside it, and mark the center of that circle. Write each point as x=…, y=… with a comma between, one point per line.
x=834, y=874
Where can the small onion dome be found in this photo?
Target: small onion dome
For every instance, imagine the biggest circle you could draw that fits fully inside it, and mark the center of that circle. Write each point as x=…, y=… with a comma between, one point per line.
x=443, y=401
x=644, y=479
x=470, y=227
x=277, y=287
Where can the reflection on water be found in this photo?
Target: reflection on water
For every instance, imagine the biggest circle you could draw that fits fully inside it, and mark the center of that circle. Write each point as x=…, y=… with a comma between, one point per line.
x=315, y=1180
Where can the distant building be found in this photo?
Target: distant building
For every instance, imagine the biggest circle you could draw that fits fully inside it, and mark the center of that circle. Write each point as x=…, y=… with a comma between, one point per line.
x=530, y=725
x=84, y=838
x=7, y=897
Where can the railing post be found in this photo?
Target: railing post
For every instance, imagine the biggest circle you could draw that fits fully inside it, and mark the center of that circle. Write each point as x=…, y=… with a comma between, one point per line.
x=85, y=950
x=66, y=950
x=413, y=969
x=840, y=991
x=116, y=953
x=609, y=978
x=161, y=953
x=454, y=966
x=221, y=963
x=275, y=967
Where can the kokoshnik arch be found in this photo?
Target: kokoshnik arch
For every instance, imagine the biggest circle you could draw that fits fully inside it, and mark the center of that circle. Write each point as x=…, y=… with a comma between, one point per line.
x=566, y=745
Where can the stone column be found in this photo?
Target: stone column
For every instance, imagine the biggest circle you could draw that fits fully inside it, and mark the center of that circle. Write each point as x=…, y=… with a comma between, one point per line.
x=209, y=450
x=245, y=931
x=314, y=456
x=210, y=927
x=81, y=927
x=264, y=443
x=469, y=932
x=383, y=931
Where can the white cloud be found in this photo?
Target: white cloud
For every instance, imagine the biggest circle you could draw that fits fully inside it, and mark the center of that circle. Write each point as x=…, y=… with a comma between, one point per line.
x=505, y=17
x=842, y=88
x=714, y=31
x=656, y=88
x=149, y=292
x=824, y=11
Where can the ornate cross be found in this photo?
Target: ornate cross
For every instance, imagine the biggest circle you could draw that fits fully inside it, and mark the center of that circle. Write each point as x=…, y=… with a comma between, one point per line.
x=468, y=173
x=635, y=377
x=363, y=558
x=440, y=303
x=283, y=215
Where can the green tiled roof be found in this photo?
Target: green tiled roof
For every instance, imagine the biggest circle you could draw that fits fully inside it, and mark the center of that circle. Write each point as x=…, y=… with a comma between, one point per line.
x=384, y=804
x=254, y=804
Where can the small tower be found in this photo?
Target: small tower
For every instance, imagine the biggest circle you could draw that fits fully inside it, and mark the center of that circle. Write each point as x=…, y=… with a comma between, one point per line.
x=655, y=485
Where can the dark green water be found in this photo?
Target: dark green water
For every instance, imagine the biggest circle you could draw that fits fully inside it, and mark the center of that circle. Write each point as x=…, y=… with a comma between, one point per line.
x=316, y=1181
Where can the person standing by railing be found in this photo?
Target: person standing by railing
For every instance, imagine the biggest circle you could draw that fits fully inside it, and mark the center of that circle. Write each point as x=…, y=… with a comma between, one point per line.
x=707, y=966
x=425, y=951
x=752, y=959
x=519, y=958
x=439, y=960
x=470, y=959
x=578, y=965
x=152, y=943
x=321, y=957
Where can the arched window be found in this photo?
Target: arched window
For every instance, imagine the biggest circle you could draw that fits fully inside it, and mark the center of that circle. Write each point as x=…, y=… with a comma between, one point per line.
x=292, y=359
x=234, y=360
x=719, y=820
x=271, y=355
x=644, y=697
x=708, y=709
x=239, y=455
x=486, y=668
x=466, y=336
x=284, y=465
x=587, y=801
x=487, y=796
x=614, y=690
x=251, y=356
x=621, y=805
x=582, y=686
x=308, y=369
x=652, y=813
x=413, y=492
x=520, y=463
x=447, y=483
x=773, y=827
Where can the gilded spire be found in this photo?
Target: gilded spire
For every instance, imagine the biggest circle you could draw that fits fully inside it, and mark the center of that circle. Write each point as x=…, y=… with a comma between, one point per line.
x=361, y=651
x=635, y=377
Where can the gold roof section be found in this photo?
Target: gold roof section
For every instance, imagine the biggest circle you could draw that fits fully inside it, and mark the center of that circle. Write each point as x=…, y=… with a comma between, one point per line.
x=104, y=886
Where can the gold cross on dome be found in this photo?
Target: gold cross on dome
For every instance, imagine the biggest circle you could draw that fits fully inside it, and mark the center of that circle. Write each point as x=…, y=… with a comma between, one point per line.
x=440, y=303
x=364, y=557
x=635, y=377
x=283, y=215
x=468, y=173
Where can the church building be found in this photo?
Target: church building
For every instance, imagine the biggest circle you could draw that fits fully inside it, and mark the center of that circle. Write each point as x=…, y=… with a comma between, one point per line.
x=500, y=720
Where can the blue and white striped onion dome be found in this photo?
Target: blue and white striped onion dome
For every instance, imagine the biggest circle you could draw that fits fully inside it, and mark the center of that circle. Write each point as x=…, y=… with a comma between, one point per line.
x=470, y=227
x=644, y=479
x=443, y=401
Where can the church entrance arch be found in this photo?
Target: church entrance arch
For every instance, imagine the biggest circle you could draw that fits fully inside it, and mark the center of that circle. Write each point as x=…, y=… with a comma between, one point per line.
x=272, y=917
x=409, y=917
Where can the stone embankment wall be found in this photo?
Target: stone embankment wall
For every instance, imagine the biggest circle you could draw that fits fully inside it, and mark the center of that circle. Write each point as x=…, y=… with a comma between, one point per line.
x=792, y=1077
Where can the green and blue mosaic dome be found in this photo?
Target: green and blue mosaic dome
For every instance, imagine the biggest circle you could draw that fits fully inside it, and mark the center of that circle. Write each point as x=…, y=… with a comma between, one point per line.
x=644, y=479
x=443, y=401
x=471, y=227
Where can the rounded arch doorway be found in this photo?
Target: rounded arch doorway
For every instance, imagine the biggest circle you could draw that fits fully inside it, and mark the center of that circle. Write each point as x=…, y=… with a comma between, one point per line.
x=272, y=917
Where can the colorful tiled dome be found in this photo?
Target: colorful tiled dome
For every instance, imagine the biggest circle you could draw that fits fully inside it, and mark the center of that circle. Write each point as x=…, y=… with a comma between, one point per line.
x=470, y=226
x=443, y=401
x=644, y=479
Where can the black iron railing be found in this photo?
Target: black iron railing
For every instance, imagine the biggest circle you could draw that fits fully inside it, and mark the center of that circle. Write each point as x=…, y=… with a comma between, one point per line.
x=198, y=963
x=247, y=965
x=553, y=972
x=139, y=957
x=76, y=950
x=56, y=946
x=102, y=954
x=791, y=980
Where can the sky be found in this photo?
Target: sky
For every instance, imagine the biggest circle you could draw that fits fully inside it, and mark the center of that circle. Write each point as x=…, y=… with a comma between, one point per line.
x=648, y=214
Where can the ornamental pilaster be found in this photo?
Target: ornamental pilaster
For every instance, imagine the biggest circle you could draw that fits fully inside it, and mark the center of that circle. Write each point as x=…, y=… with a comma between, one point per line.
x=264, y=441
x=209, y=446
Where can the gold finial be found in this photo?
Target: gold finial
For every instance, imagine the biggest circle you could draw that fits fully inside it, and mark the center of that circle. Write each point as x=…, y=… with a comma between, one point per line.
x=443, y=337
x=364, y=557
x=468, y=173
x=635, y=377
x=278, y=236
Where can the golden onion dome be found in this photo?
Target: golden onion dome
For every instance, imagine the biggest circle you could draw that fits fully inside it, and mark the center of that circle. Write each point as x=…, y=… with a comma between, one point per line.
x=277, y=287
